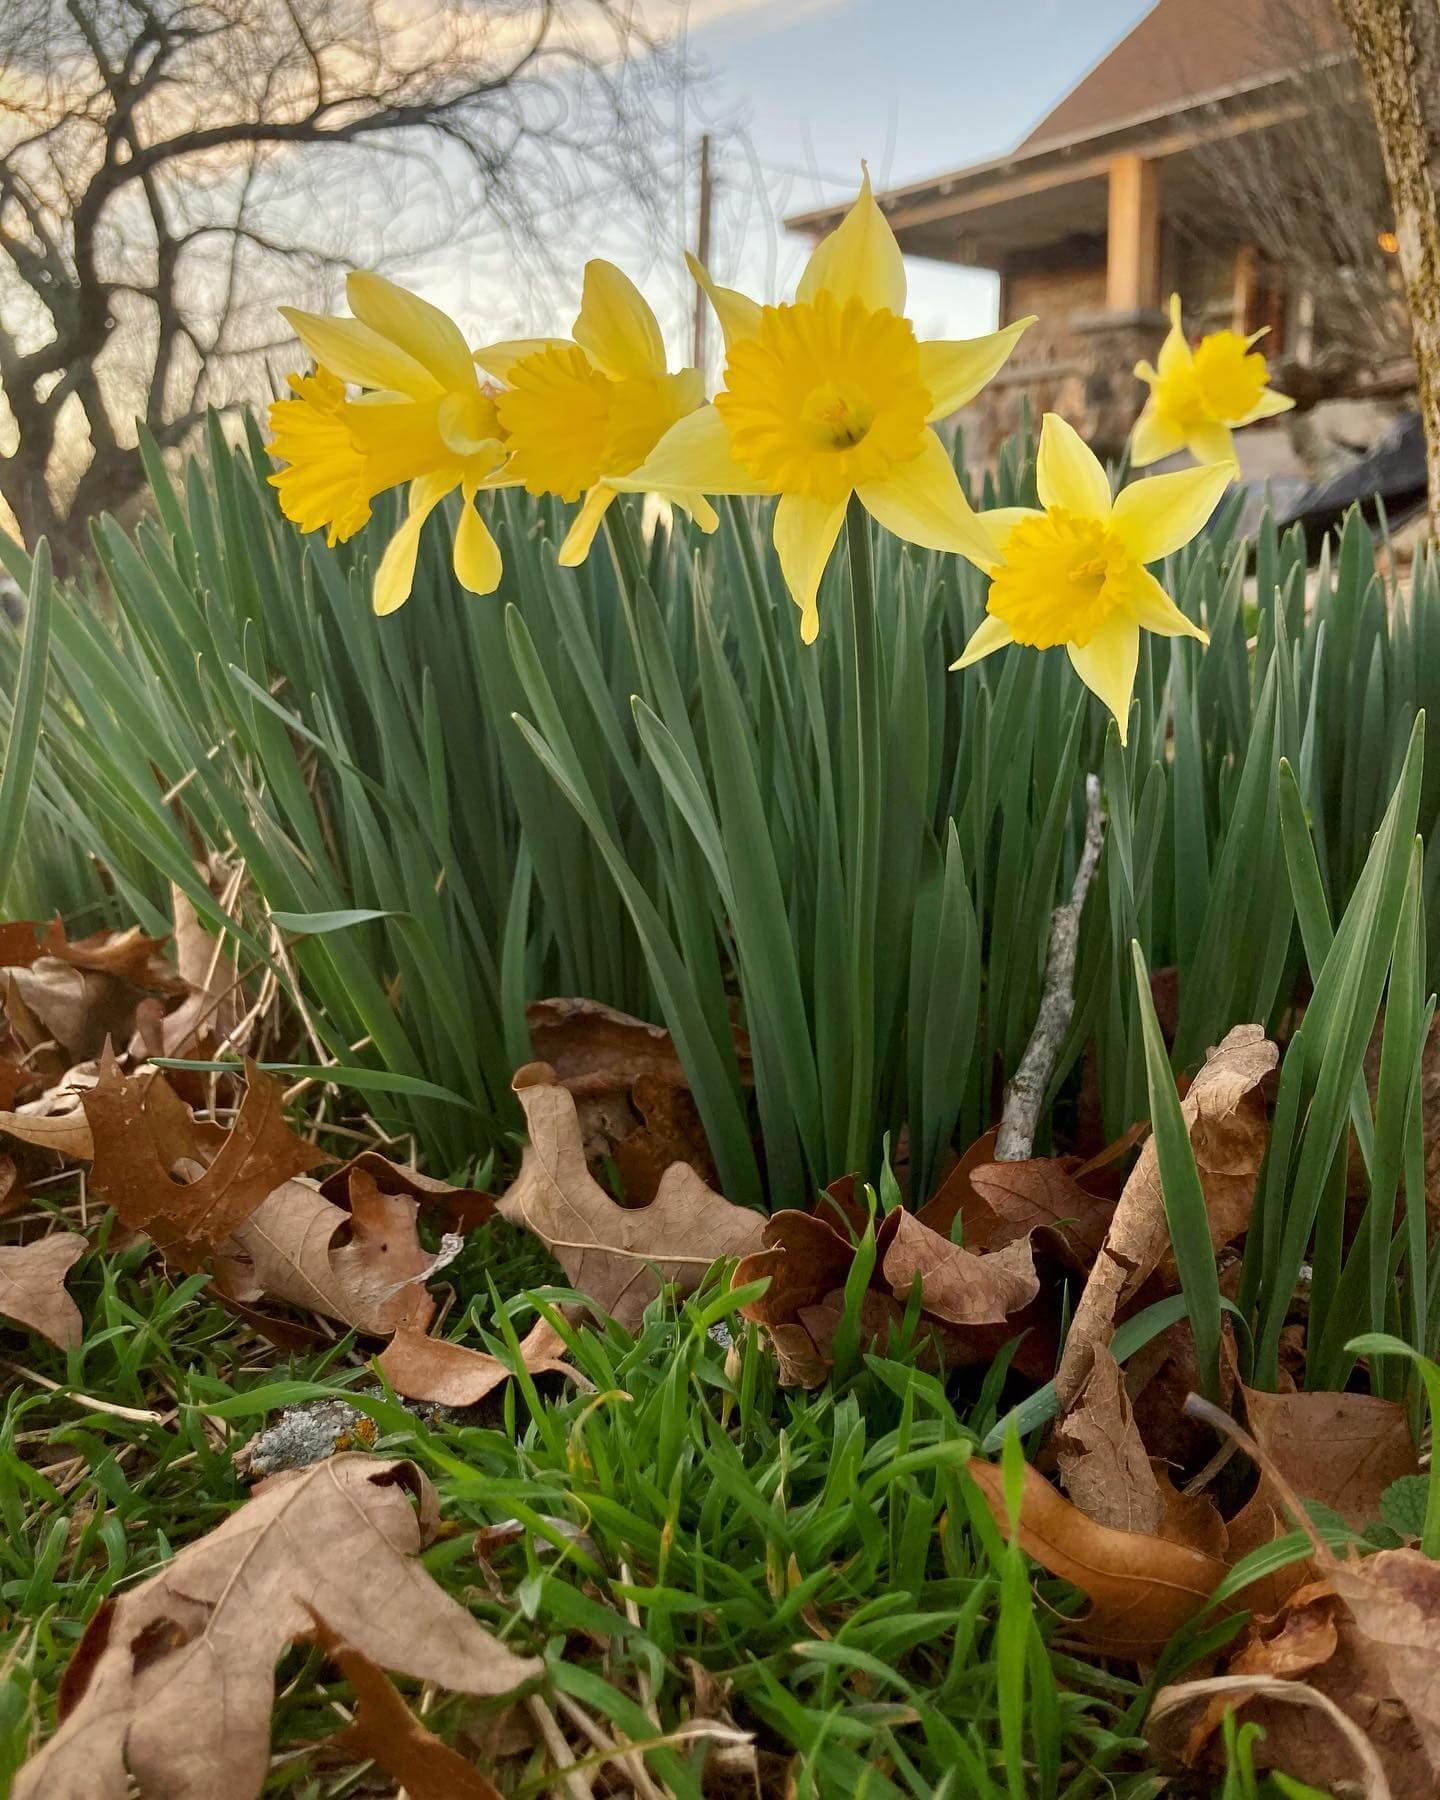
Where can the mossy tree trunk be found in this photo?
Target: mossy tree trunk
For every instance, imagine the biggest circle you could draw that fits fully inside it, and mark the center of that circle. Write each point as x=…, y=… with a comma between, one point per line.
x=1398, y=46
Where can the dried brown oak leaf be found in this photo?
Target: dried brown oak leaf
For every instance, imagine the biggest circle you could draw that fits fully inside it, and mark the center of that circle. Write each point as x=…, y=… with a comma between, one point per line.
x=1314, y=1639
x=173, y=1682
x=1104, y=1465
x=1142, y=1589
x=449, y=1374
x=365, y=1267
x=143, y=1132
x=386, y=1732
x=32, y=1287
x=1394, y=1598
x=1342, y=1450
x=56, y=1120
x=1224, y=1112
x=1168, y=1725
x=459, y=1209
x=960, y=1286
x=804, y=1259
x=590, y=1045
x=1042, y=1194
x=611, y=1253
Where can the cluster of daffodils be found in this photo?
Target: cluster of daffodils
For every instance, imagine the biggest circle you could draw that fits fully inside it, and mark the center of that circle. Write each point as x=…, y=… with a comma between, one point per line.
x=826, y=402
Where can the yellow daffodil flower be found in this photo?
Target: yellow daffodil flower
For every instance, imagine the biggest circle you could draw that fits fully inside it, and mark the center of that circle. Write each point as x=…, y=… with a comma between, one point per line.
x=829, y=396
x=576, y=411
x=1198, y=397
x=424, y=418
x=1075, y=573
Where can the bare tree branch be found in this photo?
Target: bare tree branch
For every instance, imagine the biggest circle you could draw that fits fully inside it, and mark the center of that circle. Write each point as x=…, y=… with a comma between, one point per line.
x=162, y=187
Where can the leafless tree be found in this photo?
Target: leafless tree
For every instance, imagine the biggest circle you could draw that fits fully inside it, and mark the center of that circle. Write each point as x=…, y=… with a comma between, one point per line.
x=1397, y=43
x=1309, y=190
x=162, y=186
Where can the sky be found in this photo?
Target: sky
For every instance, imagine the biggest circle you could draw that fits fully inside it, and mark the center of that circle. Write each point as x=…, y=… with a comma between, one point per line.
x=795, y=94
x=913, y=86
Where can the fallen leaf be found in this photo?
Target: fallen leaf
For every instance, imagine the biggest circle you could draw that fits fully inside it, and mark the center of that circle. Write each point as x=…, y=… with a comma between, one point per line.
x=1312, y=1638
x=804, y=1259
x=142, y=1131
x=1043, y=1194
x=76, y=995
x=458, y=1209
x=173, y=1682
x=611, y=1253
x=32, y=1287
x=12, y=1187
x=1383, y=1677
x=956, y=1196
x=385, y=1731
x=1224, y=1112
x=55, y=1120
x=1174, y=1702
x=365, y=1267
x=1394, y=1598
x=1142, y=1589
x=14, y=1079
x=1104, y=1465
x=449, y=1374
x=963, y=1287
x=592, y=1045
x=670, y=1132
x=206, y=1019
x=1342, y=1450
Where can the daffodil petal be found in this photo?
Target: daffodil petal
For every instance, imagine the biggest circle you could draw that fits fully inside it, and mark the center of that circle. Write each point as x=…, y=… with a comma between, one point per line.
x=694, y=456
x=989, y=635
x=1175, y=352
x=859, y=260
x=956, y=369
x=1211, y=442
x=1155, y=435
x=700, y=510
x=1068, y=473
x=738, y=314
x=922, y=501
x=805, y=534
x=425, y=333
x=396, y=575
x=1155, y=611
x=581, y=534
x=356, y=353
x=1146, y=372
x=1157, y=514
x=1267, y=406
x=1107, y=665
x=477, y=555
x=615, y=325
x=499, y=359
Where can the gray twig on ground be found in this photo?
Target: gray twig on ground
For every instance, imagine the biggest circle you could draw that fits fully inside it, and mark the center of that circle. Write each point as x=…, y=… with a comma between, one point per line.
x=1025, y=1090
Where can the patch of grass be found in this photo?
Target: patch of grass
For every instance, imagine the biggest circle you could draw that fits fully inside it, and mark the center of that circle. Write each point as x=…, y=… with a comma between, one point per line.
x=813, y=1554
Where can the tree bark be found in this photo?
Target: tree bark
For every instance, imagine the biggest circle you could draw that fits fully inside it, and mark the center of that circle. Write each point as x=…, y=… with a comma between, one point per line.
x=1397, y=43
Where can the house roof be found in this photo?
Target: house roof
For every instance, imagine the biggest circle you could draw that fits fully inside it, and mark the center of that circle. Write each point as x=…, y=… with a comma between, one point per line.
x=1184, y=51
x=1188, y=72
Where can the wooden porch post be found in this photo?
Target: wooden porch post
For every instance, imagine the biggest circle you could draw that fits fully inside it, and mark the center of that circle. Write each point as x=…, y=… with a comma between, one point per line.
x=1132, y=270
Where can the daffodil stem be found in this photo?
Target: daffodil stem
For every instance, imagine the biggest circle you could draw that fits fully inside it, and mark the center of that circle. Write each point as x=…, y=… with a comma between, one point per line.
x=864, y=872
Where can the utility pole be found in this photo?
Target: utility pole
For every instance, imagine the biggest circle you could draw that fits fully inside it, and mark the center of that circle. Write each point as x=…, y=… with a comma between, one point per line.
x=702, y=252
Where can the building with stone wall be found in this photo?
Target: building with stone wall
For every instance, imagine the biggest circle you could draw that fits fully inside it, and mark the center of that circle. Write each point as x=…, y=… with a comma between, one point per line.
x=1109, y=205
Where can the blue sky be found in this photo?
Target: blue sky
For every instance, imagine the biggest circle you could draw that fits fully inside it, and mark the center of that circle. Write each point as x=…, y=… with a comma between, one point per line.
x=915, y=86
x=797, y=92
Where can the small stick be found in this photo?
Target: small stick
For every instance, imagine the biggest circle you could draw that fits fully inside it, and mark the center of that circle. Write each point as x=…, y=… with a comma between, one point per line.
x=142, y=1415
x=1025, y=1090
